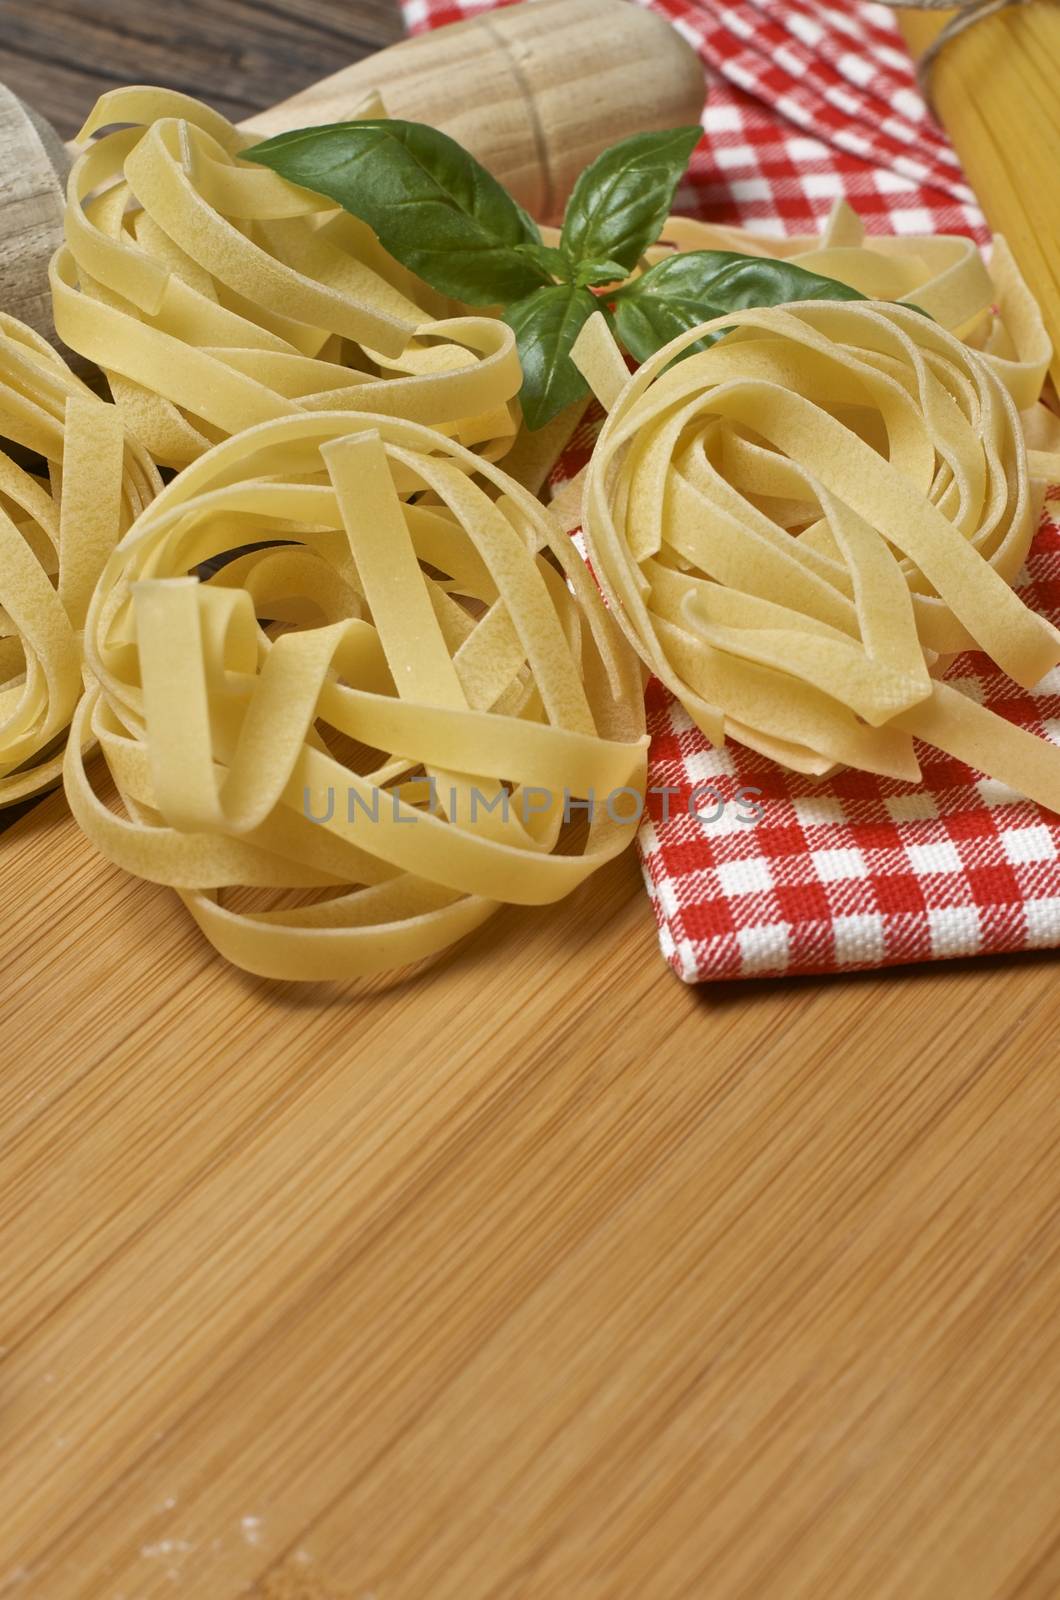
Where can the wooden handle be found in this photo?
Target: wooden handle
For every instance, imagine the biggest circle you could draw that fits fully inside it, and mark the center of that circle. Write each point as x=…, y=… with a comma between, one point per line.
x=534, y=91
x=33, y=166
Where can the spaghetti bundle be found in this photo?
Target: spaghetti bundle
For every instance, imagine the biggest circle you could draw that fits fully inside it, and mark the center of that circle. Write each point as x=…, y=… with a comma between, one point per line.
x=395, y=701
x=994, y=86
x=797, y=525
x=70, y=484
x=216, y=295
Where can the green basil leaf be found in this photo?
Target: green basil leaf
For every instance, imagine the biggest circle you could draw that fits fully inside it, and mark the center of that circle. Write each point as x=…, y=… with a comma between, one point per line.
x=433, y=207
x=620, y=203
x=599, y=272
x=546, y=325
x=552, y=261
x=696, y=286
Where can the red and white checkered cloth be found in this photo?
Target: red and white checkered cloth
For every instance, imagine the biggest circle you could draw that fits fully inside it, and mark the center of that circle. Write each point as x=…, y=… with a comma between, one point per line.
x=808, y=102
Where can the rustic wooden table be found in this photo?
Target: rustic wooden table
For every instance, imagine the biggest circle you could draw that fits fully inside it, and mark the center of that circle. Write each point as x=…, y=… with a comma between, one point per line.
x=543, y=1278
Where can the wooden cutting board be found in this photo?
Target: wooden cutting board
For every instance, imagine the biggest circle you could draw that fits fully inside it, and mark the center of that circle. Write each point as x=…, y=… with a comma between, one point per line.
x=540, y=1278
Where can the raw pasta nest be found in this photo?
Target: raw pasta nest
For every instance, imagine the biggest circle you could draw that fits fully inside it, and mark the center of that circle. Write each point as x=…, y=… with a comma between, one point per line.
x=797, y=525
x=990, y=309
x=70, y=484
x=216, y=295
x=391, y=705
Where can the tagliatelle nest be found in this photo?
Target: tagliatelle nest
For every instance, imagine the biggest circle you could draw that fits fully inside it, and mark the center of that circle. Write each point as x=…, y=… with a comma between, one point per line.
x=70, y=484
x=216, y=295
x=798, y=524
x=395, y=705
x=990, y=309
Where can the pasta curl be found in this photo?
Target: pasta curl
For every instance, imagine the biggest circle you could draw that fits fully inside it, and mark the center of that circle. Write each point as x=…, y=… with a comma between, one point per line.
x=395, y=699
x=215, y=295
x=70, y=484
x=989, y=308
x=798, y=524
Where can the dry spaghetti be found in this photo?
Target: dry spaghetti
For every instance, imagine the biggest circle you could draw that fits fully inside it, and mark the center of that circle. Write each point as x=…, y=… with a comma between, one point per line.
x=70, y=484
x=393, y=704
x=797, y=524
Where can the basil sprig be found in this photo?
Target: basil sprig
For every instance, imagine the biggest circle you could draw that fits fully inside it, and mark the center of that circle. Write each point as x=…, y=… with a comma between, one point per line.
x=436, y=210
x=620, y=203
x=546, y=325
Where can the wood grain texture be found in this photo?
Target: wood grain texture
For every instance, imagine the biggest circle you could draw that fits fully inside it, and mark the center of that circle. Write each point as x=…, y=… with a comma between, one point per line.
x=240, y=55
x=536, y=93
x=540, y=1277
x=543, y=1276
x=33, y=164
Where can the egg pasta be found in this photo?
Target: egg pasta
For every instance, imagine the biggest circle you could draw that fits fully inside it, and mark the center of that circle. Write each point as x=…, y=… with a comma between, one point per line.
x=394, y=701
x=797, y=525
x=216, y=296
x=71, y=482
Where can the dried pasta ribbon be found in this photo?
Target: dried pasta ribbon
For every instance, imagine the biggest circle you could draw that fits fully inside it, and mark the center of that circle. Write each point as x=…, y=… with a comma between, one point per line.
x=988, y=308
x=795, y=524
x=216, y=295
x=70, y=484
x=395, y=705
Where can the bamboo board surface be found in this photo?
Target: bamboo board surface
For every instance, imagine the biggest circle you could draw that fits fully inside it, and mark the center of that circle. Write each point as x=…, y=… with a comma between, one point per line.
x=546, y=1277
x=539, y=1278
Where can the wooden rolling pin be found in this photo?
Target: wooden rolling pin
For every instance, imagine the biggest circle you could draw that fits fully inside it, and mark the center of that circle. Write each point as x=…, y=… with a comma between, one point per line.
x=535, y=91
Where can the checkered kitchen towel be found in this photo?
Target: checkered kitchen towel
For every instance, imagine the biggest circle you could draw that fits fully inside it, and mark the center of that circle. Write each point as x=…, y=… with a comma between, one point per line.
x=752, y=870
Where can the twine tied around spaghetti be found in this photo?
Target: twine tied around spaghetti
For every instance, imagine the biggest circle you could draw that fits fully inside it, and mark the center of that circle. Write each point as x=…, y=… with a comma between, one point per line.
x=966, y=14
